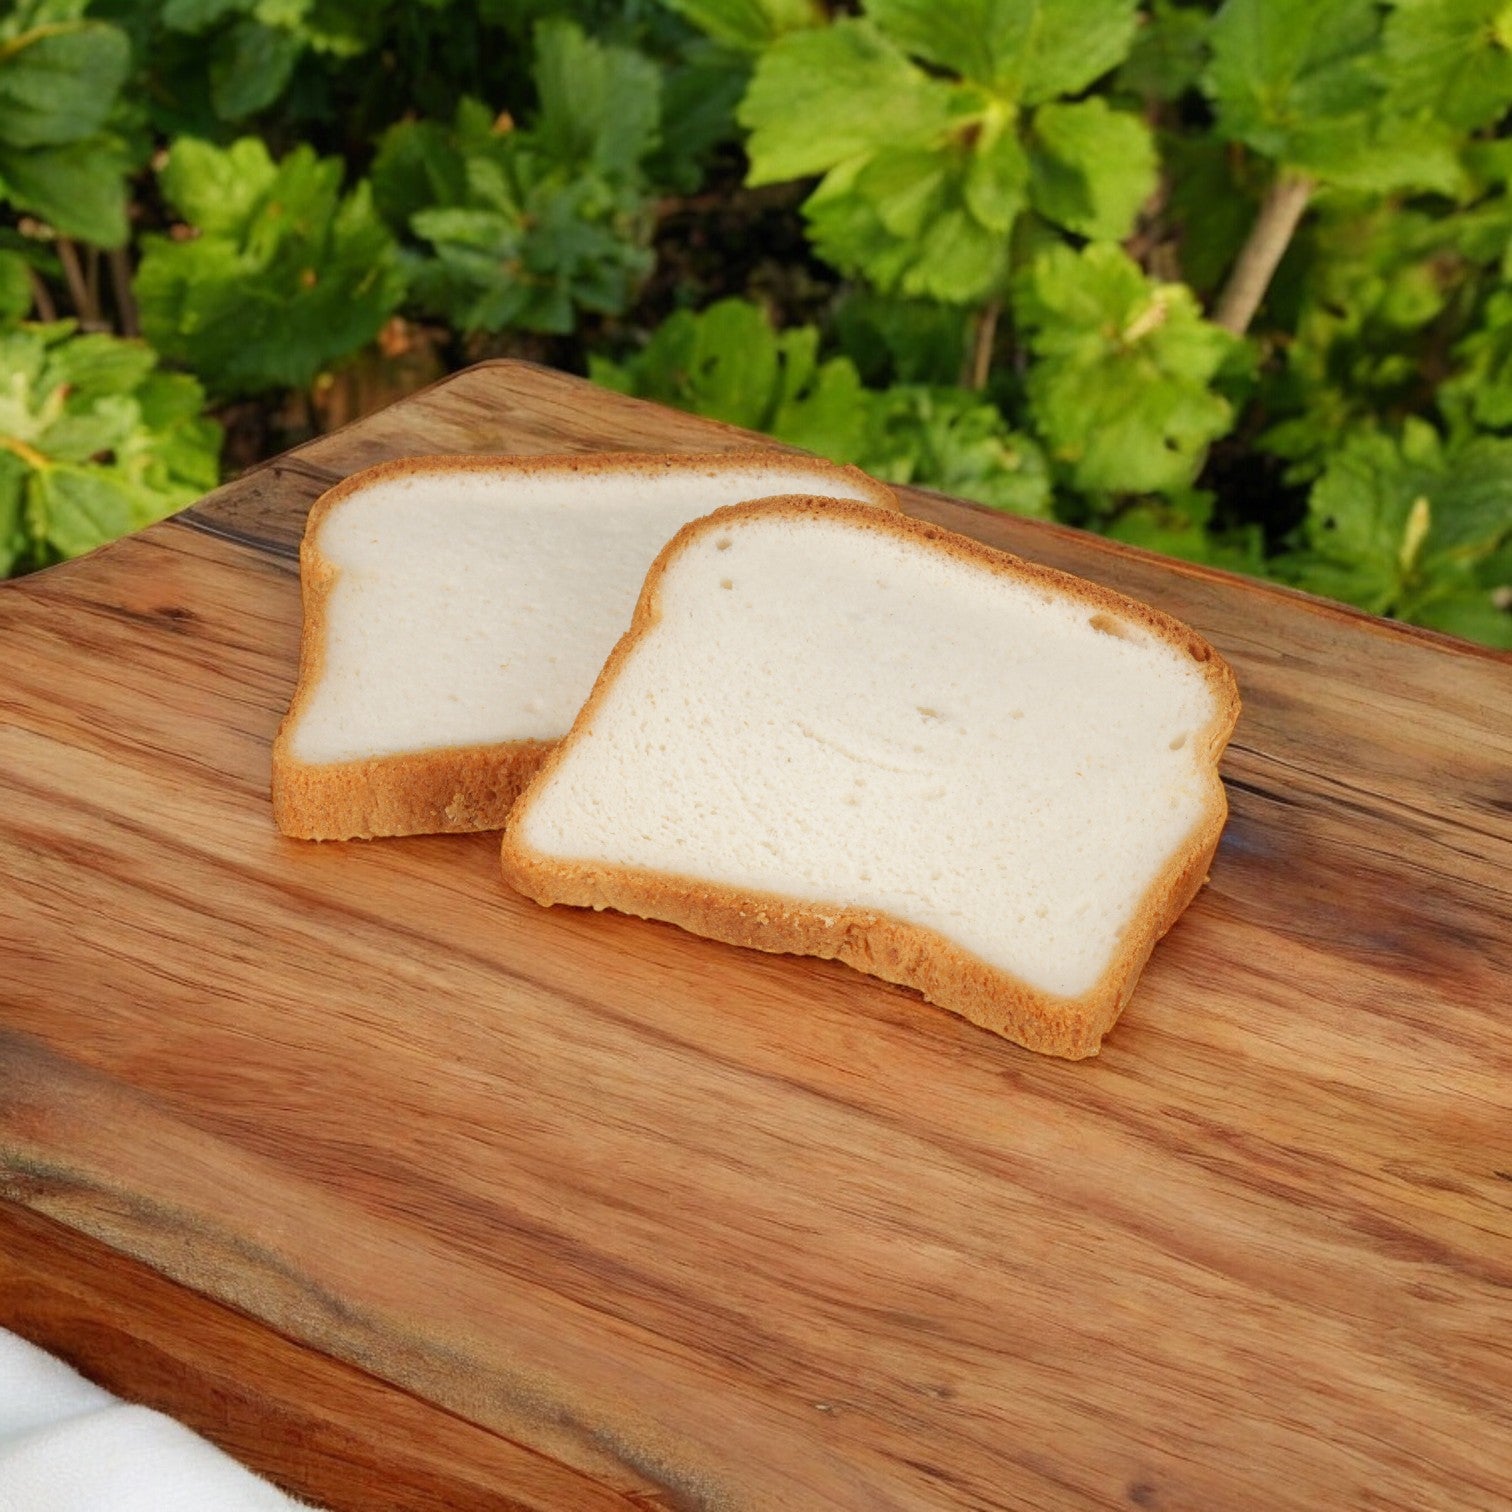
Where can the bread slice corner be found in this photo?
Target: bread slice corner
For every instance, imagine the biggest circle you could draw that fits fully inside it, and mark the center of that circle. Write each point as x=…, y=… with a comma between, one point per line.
x=836, y=732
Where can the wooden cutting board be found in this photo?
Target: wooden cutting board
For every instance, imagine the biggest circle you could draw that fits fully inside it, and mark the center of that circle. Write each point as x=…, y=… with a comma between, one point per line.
x=566, y=1210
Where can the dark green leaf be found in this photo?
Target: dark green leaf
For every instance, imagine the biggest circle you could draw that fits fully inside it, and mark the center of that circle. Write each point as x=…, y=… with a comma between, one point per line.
x=294, y=278
x=1397, y=525
x=78, y=189
x=1451, y=59
x=15, y=288
x=58, y=84
x=418, y=166
x=1168, y=54
x=599, y=104
x=13, y=534
x=197, y=16
x=902, y=341
x=1483, y=386
x=250, y=68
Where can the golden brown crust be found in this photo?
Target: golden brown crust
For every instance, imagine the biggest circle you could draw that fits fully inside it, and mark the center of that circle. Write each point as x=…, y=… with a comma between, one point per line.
x=462, y=788
x=447, y=792
x=877, y=943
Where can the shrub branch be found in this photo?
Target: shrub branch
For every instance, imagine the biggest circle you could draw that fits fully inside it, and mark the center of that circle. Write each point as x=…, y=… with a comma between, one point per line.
x=1280, y=211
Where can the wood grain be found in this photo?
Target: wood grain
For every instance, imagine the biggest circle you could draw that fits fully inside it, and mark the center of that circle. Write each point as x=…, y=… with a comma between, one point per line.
x=739, y=1231
x=319, y=1429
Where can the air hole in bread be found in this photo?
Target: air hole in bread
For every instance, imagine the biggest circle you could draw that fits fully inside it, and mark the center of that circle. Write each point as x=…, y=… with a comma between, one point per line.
x=1179, y=741
x=1105, y=624
x=927, y=713
x=722, y=544
x=726, y=582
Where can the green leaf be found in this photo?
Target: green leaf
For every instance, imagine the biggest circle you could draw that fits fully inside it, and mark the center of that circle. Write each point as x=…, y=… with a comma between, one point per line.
x=1280, y=66
x=722, y=363
x=1303, y=82
x=251, y=67
x=1399, y=525
x=947, y=438
x=418, y=165
x=95, y=364
x=822, y=98
x=1473, y=613
x=108, y=442
x=15, y=288
x=599, y=104
x=902, y=221
x=750, y=25
x=58, y=84
x=218, y=189
x=1022, y=50
x=1451, y=59
x=728, y=363
x=1120, y=390
x=1168, y=54
x=78, y=189
x=1482, y=389
x=196, y=16
x=901, y=341
x=699, y=98
x=1092, y=168
x=293, y=276
x=1182, y=526
x=13, y=534
x=79, y=508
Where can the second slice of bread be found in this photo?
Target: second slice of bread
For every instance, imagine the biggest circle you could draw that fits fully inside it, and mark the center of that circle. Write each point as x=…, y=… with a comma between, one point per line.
x=457, y=610
x=846, y=733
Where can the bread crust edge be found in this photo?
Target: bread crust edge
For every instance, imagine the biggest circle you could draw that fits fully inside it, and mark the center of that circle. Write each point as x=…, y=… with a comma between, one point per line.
x=877, y=943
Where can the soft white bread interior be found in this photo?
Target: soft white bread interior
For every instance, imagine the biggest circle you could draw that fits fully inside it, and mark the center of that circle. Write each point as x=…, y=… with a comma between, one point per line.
x=457, y=611
x=850, y=734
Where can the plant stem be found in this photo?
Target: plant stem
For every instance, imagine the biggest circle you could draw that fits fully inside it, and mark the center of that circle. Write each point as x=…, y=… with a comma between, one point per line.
x=120, y=282
x=1280, y=211
x=28, y=454
x=42, y=297
x=981, y=345
x=78, y=289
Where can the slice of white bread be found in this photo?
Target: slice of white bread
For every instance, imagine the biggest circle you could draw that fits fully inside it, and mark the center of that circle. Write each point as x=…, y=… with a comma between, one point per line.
x=457, y=611
x=845, y=733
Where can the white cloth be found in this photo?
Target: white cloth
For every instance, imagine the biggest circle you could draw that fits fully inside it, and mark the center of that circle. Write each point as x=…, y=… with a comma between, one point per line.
x=68, y=1446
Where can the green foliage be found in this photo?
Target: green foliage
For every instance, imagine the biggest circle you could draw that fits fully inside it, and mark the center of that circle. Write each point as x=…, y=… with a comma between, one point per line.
x=1303, y=82
x=1407, y=526
x=749, y=24
x=1121, y=390
x=284, y=275
x=527, y=227
x=59, y=79
x=1017, y=218
x=922, y=121
x=94, y=441
x=729, y=364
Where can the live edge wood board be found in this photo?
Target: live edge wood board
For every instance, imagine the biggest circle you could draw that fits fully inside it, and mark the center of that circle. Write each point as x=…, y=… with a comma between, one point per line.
x=552, y=1209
